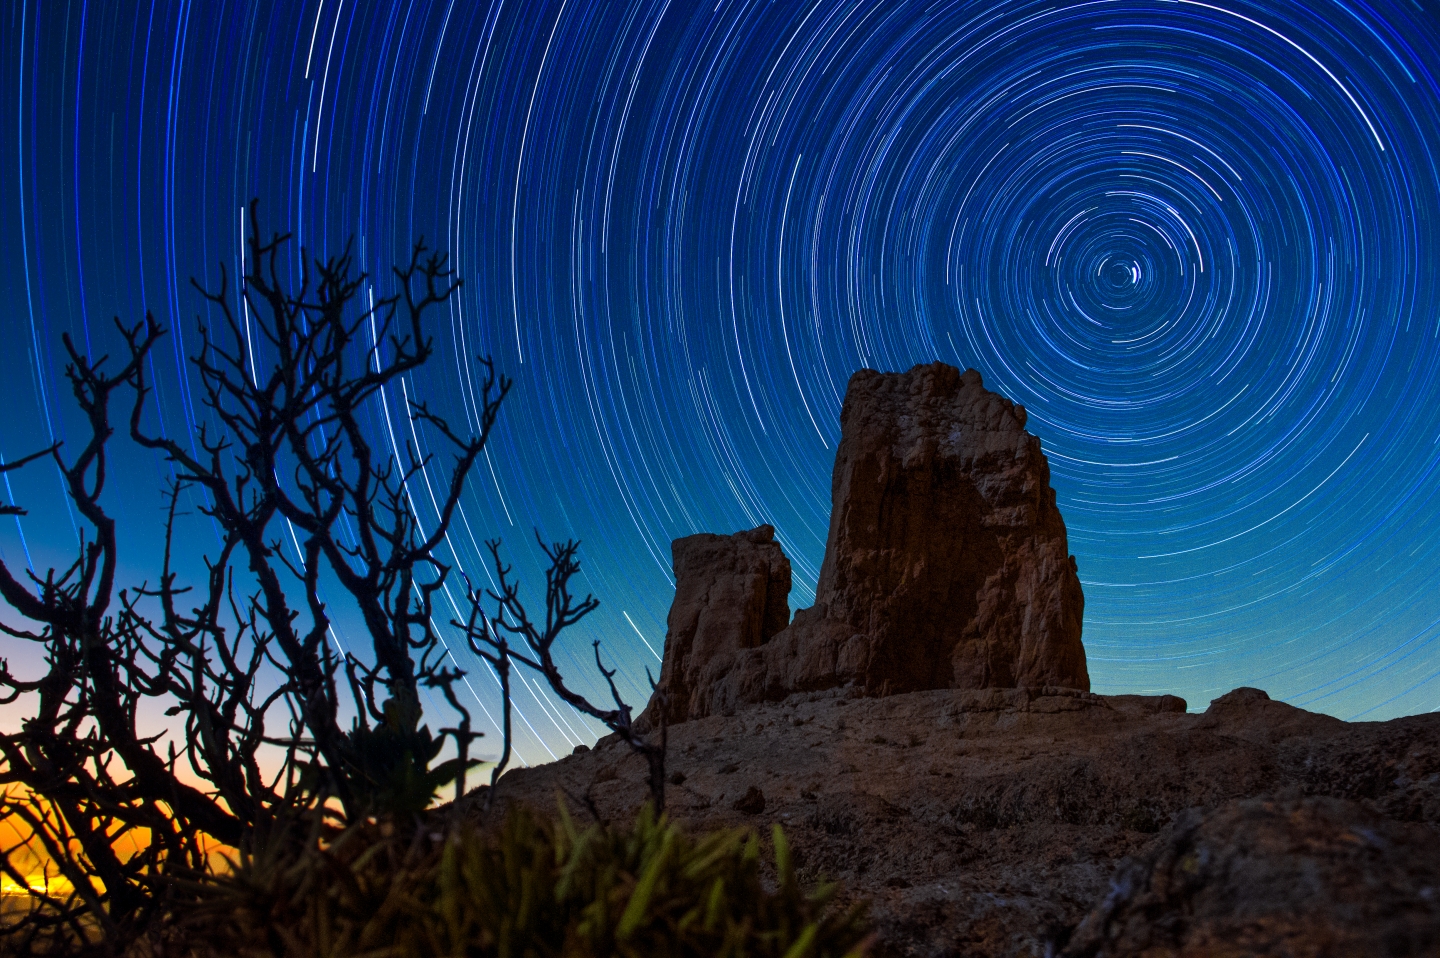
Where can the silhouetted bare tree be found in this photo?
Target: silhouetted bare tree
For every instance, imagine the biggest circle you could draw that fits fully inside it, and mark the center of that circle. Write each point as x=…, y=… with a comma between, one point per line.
x=489, y=638
x=284, y=374
x=245, y=658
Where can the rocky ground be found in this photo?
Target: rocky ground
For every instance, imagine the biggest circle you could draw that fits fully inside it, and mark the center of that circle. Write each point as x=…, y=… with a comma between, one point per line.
x=1016, y=820
x=1050, y=821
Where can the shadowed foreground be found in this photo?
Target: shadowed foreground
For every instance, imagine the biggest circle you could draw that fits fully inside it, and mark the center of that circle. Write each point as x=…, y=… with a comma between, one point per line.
x=993, y=822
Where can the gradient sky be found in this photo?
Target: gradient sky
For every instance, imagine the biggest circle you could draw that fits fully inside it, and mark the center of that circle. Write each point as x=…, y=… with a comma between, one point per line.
x=1200, y=242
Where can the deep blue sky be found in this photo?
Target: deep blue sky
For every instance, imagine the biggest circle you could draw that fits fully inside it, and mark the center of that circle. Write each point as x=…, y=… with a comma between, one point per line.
x=1198, y=241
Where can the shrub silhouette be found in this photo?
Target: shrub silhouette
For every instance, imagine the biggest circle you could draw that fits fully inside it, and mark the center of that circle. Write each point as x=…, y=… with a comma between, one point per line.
x=241, y=656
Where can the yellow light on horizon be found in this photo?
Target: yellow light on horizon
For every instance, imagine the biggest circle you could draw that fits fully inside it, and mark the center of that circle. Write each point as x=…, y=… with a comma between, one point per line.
x=29, y=856
x=44, y=882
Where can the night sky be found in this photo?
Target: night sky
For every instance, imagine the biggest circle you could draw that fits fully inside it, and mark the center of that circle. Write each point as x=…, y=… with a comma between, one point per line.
x=1197, y=241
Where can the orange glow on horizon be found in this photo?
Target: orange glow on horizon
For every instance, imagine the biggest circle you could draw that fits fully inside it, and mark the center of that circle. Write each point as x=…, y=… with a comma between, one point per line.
x=29, y=856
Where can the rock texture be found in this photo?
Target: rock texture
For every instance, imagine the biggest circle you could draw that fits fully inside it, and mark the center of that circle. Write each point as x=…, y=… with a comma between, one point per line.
x=946, y=564
x=730, y=595
x=1304, y=877
x=997, y=822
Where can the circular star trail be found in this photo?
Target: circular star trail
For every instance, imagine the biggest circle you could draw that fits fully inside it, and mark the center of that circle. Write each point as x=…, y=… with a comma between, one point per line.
x=1197, y=241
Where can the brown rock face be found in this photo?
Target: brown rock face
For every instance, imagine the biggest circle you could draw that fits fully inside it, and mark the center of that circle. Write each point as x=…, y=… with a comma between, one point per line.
x=946, y=564
x=730, y=596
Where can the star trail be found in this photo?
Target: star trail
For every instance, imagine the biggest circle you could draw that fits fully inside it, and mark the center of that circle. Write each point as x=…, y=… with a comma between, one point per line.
x=1197, y=241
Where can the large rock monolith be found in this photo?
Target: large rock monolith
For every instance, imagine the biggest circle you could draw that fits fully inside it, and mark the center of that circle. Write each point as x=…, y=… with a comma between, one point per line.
x=946, y=565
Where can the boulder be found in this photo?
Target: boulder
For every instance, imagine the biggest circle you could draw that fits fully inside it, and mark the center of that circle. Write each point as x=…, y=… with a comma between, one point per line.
x=731, y=595
x=947, y=564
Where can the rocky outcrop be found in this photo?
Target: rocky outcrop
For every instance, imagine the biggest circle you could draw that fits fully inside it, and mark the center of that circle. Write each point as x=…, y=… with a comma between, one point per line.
x=1009, y=822
x=998, y=822
x=730, y=595
x=995, y=806
x=946, y=564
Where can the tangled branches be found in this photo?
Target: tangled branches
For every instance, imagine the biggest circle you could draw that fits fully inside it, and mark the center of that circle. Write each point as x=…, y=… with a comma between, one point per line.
x=245, y=658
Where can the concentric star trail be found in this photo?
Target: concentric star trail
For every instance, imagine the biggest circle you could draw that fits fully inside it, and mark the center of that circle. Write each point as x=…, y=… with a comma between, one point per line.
x=1199, y=242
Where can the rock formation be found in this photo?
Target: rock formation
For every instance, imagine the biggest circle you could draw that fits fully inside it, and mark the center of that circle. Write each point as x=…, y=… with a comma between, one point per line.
x=730, y=596
x=992, y=805
x=946, y=564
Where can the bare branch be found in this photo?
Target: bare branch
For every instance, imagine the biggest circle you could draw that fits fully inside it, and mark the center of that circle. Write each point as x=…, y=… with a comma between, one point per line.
x=284, y=471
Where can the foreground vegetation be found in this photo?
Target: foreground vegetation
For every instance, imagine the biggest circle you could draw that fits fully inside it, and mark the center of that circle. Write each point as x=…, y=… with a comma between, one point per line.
x=530, y=888
x=270, y=721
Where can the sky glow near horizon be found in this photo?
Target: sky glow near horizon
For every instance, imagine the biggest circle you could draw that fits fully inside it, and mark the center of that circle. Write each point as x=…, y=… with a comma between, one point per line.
x=1199, y=242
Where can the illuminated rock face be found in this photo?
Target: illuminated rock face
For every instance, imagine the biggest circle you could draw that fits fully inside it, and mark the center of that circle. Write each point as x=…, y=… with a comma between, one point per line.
x=730, y=596
x=946, y=564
